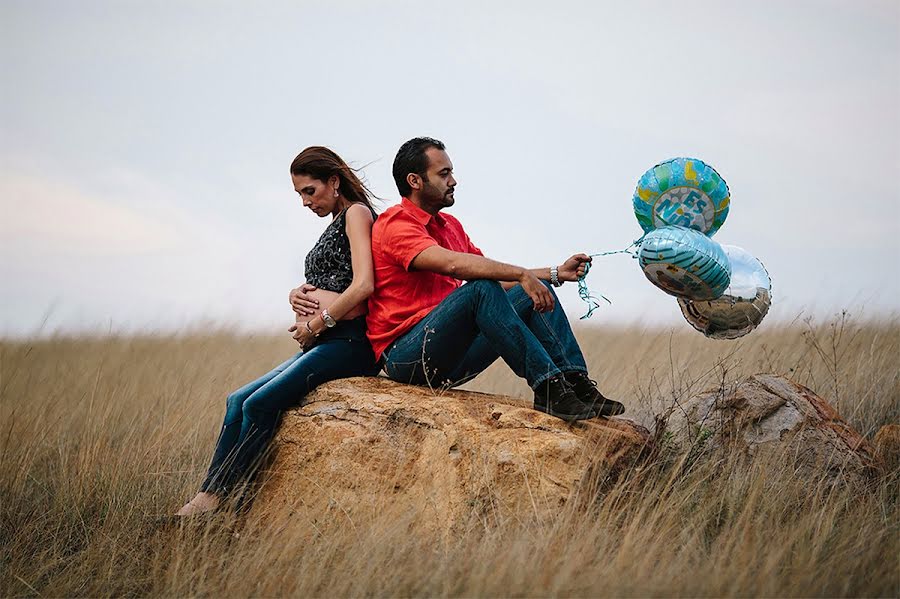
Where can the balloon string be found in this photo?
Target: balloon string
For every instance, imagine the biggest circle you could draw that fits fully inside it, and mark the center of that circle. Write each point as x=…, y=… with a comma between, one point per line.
x=587, y=296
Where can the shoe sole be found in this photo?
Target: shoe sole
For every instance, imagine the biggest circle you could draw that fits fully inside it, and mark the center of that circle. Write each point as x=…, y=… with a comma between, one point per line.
x=567, y=417
x=607, y=409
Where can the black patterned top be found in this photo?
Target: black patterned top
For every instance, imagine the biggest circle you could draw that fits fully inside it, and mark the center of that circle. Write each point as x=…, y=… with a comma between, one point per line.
x=328, y=264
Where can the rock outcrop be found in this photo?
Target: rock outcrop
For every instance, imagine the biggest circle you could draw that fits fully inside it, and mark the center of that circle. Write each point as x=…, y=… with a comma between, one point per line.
x=887, y=447
x=450, y=458
x=773, y=418
x=444, y=455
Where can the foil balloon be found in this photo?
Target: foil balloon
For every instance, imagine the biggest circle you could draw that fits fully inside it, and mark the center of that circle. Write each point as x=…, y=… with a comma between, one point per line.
x=743, y=305
x=684, y=263
x=685, y=192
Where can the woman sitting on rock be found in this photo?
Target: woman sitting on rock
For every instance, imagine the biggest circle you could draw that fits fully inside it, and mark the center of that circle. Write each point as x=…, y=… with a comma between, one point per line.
x=330, y=327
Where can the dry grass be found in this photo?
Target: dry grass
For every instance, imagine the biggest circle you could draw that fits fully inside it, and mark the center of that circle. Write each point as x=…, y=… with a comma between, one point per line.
x=101, y=436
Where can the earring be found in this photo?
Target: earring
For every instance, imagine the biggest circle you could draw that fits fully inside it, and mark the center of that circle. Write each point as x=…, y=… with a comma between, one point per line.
x=336, y=193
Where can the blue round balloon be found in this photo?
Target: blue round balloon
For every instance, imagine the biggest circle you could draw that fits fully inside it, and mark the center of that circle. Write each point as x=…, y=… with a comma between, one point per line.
x=685, y=192
x=685, y=263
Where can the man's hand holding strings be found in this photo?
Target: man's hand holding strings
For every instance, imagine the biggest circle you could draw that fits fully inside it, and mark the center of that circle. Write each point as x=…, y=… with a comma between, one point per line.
x=574, y=268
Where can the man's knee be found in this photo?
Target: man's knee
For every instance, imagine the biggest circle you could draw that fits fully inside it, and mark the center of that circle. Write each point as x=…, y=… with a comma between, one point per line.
x=486, y=287
x=522, y=301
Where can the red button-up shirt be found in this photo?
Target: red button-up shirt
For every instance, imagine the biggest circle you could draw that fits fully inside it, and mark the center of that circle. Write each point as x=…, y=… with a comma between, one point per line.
x=402, y=296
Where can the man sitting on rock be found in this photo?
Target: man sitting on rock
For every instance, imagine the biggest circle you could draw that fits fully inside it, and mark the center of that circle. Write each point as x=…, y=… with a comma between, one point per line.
x=430, y=329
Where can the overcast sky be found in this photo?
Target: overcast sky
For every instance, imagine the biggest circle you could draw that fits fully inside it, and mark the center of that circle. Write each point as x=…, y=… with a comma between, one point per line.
x=144, y=146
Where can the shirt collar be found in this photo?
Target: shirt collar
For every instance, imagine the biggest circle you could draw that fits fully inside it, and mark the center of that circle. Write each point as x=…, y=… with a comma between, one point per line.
x=420, y=215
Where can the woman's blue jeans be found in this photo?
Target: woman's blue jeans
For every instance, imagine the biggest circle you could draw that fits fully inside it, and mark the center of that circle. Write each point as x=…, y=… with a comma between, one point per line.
x=252, y=412
x=475, y=325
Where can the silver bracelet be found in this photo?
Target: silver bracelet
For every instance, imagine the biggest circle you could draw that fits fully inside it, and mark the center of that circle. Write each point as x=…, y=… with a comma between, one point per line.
x=309, y=328
x=554, y=276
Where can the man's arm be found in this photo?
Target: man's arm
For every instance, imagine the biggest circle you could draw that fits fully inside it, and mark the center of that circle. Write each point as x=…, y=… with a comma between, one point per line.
x=570, y=270
x=464, y=266
x=461, y=265
x=541, y=273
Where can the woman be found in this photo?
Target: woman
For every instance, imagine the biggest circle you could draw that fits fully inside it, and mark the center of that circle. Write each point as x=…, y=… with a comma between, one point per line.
x=331, y=334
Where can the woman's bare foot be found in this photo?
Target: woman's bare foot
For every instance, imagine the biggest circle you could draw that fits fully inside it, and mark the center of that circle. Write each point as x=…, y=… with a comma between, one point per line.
x=202, y=502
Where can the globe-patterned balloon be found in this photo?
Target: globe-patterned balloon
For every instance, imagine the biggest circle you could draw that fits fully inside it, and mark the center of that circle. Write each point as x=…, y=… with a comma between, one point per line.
x=685, y=192
x=684, y=263
x=743, y=305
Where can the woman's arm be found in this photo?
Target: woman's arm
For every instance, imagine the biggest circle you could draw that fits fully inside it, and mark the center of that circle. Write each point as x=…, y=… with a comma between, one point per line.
x=359, y=232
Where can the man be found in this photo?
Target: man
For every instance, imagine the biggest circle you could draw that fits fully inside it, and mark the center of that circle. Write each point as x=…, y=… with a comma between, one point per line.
x=431, y=329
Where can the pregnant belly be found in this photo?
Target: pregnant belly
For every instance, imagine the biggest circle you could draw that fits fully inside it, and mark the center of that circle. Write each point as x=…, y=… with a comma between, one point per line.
x=326, y=298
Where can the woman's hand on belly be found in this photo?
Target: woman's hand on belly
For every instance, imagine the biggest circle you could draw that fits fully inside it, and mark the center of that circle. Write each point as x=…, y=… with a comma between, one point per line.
x=301, y=302
x=322, y=299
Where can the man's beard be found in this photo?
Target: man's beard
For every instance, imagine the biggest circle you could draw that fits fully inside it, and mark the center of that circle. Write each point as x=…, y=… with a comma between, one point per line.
x=434, y=196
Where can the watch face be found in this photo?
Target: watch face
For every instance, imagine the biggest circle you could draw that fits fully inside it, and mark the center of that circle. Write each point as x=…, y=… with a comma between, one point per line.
x=329, y=321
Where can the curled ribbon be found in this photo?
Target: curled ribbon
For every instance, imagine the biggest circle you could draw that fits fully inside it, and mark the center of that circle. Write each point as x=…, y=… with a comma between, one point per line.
x=587, y=296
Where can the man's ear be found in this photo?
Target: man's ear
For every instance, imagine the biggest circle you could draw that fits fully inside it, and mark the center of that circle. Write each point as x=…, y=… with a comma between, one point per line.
x=414, y=181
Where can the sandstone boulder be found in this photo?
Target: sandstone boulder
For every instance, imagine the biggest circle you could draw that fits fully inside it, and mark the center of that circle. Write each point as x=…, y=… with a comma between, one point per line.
x=445, y=455
x=770, y=417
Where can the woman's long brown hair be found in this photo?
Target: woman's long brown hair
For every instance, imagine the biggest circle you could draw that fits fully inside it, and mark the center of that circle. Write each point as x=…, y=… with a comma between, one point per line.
x=321, y=163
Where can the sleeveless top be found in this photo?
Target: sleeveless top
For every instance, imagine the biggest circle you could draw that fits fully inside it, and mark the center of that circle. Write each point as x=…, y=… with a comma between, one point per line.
x=328, y=264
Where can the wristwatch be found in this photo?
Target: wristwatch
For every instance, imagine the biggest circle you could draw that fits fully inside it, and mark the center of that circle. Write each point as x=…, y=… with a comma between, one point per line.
x=329, y=321
x=554, y=276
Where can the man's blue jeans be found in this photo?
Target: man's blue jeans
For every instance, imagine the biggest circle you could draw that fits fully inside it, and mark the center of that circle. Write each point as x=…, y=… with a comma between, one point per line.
x=252, y=412
x=475, y=325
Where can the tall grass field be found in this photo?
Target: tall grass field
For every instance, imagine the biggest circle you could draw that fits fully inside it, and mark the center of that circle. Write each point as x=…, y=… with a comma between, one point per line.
x=102, y=436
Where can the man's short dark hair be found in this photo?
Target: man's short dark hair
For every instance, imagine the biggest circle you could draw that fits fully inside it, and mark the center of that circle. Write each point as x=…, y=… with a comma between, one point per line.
x=411, y=158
